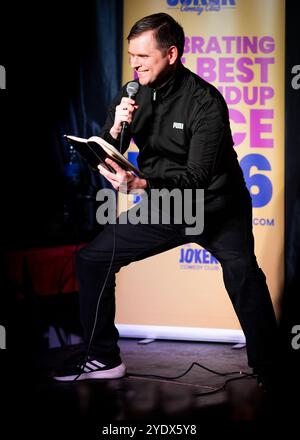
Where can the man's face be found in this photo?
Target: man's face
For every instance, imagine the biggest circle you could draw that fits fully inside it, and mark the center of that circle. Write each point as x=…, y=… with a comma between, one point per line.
x=151, y=63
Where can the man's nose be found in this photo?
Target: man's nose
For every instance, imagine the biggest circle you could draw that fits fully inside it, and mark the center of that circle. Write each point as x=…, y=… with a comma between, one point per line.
x=135, y=62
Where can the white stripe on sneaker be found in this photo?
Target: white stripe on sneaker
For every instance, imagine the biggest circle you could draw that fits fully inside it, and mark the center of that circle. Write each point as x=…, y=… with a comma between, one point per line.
x=91, y=366
x=95, y=362
x=86, y=369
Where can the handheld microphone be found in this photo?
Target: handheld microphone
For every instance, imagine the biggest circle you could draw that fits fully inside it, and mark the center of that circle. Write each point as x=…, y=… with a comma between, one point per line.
x=131, y=89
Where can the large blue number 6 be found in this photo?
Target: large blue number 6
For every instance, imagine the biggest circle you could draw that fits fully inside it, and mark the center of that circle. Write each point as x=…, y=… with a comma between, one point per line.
x=261, y=181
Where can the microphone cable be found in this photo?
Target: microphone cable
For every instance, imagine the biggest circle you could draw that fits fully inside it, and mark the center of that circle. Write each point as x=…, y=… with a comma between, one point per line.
x=131, y=89
x=238, y=375
x=100, y=291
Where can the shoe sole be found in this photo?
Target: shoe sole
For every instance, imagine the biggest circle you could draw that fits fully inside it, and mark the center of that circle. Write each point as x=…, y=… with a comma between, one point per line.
x=113, y=373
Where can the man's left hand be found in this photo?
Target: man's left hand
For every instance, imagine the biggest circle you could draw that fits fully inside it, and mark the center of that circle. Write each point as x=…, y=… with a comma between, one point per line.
x=123, y=181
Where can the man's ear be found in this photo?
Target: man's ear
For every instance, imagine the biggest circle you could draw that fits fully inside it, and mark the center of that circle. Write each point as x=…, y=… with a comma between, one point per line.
x=172, y=54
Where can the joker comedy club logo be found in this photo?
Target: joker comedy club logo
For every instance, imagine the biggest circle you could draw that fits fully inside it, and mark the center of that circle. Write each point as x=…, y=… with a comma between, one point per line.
x=200, y=6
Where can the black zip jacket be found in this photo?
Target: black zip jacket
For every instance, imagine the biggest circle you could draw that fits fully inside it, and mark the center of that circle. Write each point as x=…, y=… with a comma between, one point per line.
x=183, y=135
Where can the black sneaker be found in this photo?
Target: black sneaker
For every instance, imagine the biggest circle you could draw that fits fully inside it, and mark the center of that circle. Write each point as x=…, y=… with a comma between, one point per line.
x=267, y=382
x=92, y=368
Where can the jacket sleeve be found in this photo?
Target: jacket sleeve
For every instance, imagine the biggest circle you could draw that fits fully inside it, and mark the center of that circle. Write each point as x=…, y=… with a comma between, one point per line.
x=209, y=127
x=105, y=131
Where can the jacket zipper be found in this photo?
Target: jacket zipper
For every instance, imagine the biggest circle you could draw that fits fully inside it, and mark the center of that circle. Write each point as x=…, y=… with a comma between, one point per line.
x=155, y=119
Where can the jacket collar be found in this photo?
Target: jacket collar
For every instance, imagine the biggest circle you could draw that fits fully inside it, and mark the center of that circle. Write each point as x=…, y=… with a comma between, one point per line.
x=171, y=86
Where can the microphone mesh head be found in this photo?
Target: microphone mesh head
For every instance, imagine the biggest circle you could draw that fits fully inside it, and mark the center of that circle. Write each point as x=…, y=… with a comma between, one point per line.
x=132, y=89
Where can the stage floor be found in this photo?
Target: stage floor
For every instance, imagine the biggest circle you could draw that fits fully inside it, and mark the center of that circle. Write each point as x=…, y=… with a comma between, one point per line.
x=94, y=406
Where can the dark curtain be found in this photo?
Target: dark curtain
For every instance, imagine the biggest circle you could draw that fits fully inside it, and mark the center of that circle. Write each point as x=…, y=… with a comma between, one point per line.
x=64, y=72
x=291, y=299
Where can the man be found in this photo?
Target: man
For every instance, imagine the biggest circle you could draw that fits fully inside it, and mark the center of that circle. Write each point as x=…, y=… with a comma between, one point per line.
x=181, y=126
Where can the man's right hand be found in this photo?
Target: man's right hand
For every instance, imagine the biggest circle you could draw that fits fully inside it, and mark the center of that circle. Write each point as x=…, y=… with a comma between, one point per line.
x=124, y=112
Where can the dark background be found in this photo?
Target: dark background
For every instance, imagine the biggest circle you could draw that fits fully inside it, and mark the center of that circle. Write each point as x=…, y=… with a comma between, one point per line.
x=291, y=295
x=64, y=69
